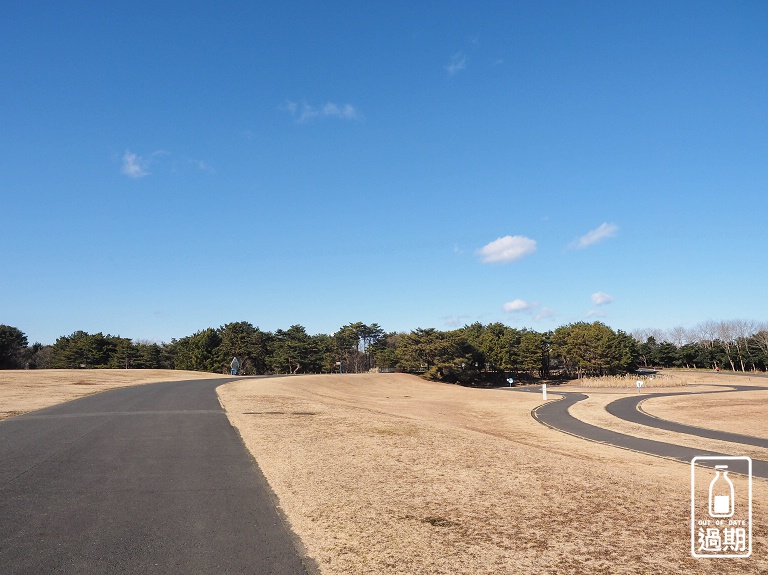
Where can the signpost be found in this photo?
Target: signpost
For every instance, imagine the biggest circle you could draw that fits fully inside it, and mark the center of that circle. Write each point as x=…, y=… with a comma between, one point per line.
x=510, y=380
x=639, y=385
x=339, y=364
x=544, y=391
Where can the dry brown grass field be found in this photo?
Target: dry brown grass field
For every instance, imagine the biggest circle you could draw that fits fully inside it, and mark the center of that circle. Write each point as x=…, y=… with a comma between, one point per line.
x=592, y=410
x=390, y=474
x=735, y=412
x=26, y=390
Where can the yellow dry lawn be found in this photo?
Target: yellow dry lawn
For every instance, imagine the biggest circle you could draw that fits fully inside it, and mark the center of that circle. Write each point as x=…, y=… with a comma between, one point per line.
x=26, y=390
x=592, y=410
x=390, y=474
x=737, y=412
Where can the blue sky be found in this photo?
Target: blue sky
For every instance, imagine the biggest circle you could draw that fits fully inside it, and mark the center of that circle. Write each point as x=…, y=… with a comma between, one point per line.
x=171, y=166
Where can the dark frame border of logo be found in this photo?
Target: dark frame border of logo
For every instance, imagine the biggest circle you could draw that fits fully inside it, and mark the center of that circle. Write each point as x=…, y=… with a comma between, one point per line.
x=711, y=461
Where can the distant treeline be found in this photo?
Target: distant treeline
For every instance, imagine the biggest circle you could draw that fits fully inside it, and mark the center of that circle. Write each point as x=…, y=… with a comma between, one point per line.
x=473, y=354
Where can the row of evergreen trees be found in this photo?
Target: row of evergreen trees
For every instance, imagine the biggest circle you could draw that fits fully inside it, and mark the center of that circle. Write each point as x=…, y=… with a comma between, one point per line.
x=472, y=354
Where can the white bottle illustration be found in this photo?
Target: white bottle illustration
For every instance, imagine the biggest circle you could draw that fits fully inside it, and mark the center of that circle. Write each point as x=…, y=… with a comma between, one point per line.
x=721, y=494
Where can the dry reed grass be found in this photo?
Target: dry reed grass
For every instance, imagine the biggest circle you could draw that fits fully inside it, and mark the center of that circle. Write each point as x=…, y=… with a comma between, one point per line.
x=630, y=381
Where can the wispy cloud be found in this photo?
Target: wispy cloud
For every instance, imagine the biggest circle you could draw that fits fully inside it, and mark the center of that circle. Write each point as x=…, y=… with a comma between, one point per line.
x=305, y=112
x=507, y=249
x=134, y=166
x=454, y=320
x=345, y=111
x=457, y=64
x=516, y=305
x=138, y=166
x=544, y=313
x=533, y=309
x=601, y=298
x=604, y=231
x=203, y=166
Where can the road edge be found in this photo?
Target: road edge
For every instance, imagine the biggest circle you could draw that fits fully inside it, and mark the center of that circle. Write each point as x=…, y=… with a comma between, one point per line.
x=310, y=563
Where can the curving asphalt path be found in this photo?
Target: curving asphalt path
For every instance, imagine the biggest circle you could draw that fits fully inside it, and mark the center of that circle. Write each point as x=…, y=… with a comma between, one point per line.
x=555, y=414
x=145, y=479
x=630, y=409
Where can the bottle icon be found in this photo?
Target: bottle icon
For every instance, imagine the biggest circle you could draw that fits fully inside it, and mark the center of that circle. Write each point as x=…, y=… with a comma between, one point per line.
x=721, y=494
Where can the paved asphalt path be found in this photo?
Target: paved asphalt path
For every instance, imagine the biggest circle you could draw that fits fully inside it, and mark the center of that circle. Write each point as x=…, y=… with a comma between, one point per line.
x=146, y=479
x=555, y=414
x=629, y=409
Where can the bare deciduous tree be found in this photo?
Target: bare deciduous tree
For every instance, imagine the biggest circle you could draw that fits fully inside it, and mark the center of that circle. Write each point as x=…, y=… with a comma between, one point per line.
x=679, y=336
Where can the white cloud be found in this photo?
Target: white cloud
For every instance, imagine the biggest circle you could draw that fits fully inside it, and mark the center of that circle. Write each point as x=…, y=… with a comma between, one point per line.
x=544, y=313
x=533, y=309
x=306, y=112
x=594, y=313
x=203, y=166
x=134, y=166
x=346, y=112
x=457, y=64
x=137, y=166
x=507, y=249
x=516, y=305
x=454, y=320
x=601, y=298
x=604, y=231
